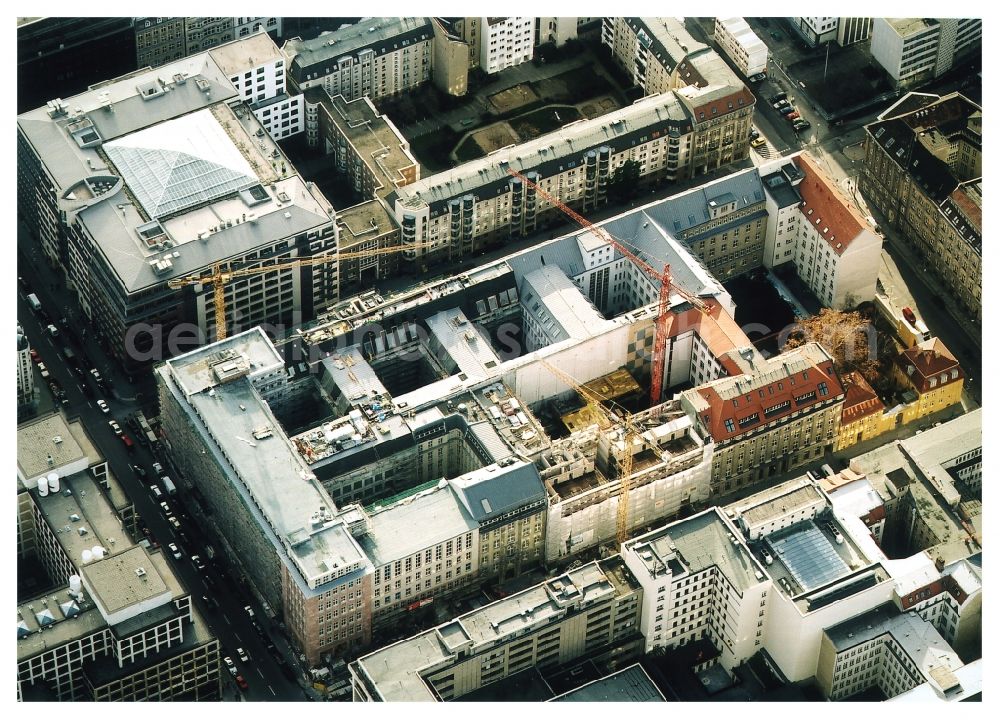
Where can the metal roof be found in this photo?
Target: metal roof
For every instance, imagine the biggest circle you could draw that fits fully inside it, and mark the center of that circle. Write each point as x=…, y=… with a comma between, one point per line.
x=492, y=491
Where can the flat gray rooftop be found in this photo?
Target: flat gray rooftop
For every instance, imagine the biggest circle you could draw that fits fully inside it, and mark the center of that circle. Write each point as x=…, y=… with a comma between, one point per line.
x=239, y=55
x=116, y=585
x=36, y=442
x=437, y=513
x=194, y=370
x=632, y=684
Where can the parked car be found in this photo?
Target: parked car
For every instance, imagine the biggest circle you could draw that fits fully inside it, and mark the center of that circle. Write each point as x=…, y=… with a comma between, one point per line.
x=113, y=424
x=757, y=77
x=35, y=356
x=230, y=665
x=794, y=115
x=801, y=125
x=198, y=562
x=157, y=469
x=241, y=681
x=157, y=493
x=174, y=550
x=758, y=142
x=103, y=406
x=165, y=508
x=754, y=133
x=780, y=104
x=778, y=96
x=139, y=470
x=43, y=370
x=786, y=110
x=127, y=441
x=175, y=522
x=243, y=655
x=53, y=331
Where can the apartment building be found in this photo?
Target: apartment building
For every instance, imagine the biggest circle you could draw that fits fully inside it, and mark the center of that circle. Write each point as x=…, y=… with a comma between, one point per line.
x=244, y=26
x=931, y=371
x=742, y=45
x=863, y=415
x=592, y=610
x=477, y=204
x=451, y=61
x=159, y=40
x=923, y=171
x=376, y=58
x=505, y=42
x=25, y=371
x=776, y=415
x=914, y=51
x=101, y=618
x=699, y=581
x=222, y=191
x=885, y=649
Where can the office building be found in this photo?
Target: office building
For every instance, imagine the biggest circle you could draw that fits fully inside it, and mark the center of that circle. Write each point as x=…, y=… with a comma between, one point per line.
x=699, y=581
x=25, y=371
x=256, y=68
x=821, y=30
x=158, y=176
x=99, y=616
x=915, y=51
x=923, y=171
x=885, y=649
x=747, y=51
x=590, y=610
x=775, y=415
x=375, y=58
x=505, y=42
x=852, y=30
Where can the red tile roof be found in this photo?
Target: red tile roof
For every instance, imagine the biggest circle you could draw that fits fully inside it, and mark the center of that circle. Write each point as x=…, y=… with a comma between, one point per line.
x=794, y=391
x=725, y=104
x=926, y=361
x=861, y=400
x=826, y=209
x=717, y=329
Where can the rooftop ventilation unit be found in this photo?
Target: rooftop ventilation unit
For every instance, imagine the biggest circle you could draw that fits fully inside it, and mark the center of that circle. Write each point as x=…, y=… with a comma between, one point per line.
x=140, y=572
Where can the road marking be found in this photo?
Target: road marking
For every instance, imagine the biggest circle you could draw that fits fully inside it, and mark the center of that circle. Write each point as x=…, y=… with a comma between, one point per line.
x=271, y=689
x=238, y=638
x=260, y=673
x=226, y=618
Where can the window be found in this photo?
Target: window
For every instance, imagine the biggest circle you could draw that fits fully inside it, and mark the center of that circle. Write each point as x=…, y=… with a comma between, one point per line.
x=730, y=427
x=823, y=390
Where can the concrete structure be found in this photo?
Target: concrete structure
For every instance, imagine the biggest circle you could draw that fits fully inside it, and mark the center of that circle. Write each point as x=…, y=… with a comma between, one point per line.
x=375, y=58
x=915, y=51
x=451, y=58
x=632, y=684
x=219, y=190
x=106, y=619
x=672, y=136
x=671, y=471
x=25, y=371
x=742, y=45
x=591, y=610
x=256, y=68
x=699, y=581
x=923, y=171
x=884, y=648
x=505, y=42
x=852, y=30
x=775, y=415
x=930, y=486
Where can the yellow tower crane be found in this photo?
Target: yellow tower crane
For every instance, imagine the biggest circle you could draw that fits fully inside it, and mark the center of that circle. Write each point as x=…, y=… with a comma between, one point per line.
x=621, y=417
x=219, y=278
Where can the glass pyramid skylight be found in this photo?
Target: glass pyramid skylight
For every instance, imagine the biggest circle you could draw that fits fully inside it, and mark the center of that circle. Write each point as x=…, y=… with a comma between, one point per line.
x=181, y=163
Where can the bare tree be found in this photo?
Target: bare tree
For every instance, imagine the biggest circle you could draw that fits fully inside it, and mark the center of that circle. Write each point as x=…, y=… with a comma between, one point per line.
x=849, y=337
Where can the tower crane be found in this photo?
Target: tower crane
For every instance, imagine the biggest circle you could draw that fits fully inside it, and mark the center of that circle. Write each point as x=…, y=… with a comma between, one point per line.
x=619, y=416
x=219, y=278
x=666, y=285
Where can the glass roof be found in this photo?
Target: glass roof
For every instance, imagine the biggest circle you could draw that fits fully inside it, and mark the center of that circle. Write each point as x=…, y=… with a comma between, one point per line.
x=809, y=555
x=181, y=163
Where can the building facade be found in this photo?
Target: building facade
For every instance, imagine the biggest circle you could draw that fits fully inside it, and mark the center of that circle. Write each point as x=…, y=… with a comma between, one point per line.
x=377, y=58
x=782, y=413
x=592, y=610
x=119, y=240
x=25, y=371
x=923, y=171
x=915, y=51
x=742, y=45
x=159, y=40
x=505, y=42
x=931, y=371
